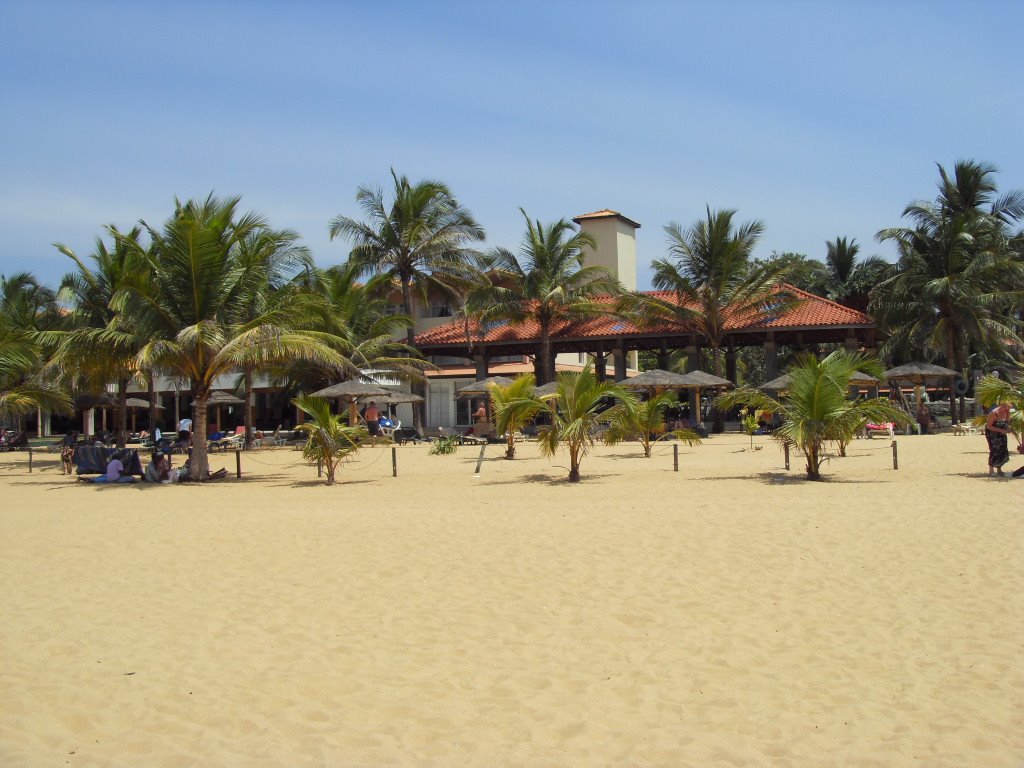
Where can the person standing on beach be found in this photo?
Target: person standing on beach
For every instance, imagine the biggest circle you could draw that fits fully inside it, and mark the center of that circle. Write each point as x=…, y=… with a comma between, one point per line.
x=480, y=415
x=372, y=416
x=997, y=427
x=185, y=431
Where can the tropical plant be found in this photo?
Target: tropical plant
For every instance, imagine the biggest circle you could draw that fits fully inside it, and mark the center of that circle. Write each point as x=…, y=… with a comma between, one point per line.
x=710, y=282
x=85, y=352
x=958, y=277
x=328, y=440
x=547, y=282
x=749, y=423
x=420, y=240
x=644, y=421
x=514, y=407
x=576, y=408
x=354, y=317
x=444, y=445
x=800, y=271
x=817, y=408
x=26, y=308
x=848, y=280
x=270, y=259
x=188, y=315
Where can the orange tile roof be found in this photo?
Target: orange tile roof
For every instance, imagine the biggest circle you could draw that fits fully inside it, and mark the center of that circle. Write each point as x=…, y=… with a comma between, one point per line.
x=812, y=312
x=606, y=213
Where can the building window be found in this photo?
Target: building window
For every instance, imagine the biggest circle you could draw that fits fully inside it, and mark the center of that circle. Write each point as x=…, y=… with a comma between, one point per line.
x=447, y=360
x=439, y=310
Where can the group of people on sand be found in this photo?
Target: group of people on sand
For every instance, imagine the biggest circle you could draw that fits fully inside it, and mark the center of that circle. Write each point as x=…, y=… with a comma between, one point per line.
x=997, y=428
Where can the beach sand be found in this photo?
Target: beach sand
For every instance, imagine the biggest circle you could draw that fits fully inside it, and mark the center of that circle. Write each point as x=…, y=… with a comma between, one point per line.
x=730, y=614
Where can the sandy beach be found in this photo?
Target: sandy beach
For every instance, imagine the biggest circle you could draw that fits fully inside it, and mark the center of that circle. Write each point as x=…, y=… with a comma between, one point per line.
x=730, y=614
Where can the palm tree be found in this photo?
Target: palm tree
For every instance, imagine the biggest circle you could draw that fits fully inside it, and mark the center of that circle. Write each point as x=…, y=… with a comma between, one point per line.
x=187, y=315
x=645, y=421
x=420, y=240
x=85, y=351
x=958, y=276
x=22, y=389
x=548, y=282
x=270, y=259
x=711, y=280
x=328, y=441
x=514, y=407
x=575, y=410
x=27, y=308
x=848, y=280
x=816, y=408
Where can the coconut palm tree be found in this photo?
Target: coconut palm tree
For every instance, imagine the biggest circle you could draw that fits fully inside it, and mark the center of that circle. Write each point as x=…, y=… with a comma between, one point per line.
x=270, y=258
x=848, y=280
x=710, y=280
x=817, y=408
x=547, y=282
x=576, y=409
x=958, y=277
x=420, y=240
x=186, y=314
x=644, y=420
x=356, y=320
x=27, y=309
x=328, y=440
x=85, y=352
x=514, y=407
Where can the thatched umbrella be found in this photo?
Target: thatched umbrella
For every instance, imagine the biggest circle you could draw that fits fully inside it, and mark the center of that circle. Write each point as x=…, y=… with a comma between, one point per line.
x=350, y=391
x=219, y=398
x=920, y=374
x=393, y=398
x=546, y=389
x=777, y=384
x=477, y=388
x=861, y=379
x=655, y=380
x=138, y=402
x=698, y=380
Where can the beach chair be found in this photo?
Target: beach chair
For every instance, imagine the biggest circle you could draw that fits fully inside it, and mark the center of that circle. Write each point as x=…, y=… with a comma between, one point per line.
x=405, y=435
x=16, y=442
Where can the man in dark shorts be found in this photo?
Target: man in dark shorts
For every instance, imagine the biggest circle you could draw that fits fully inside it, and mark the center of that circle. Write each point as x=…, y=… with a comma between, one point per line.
x=372, y=416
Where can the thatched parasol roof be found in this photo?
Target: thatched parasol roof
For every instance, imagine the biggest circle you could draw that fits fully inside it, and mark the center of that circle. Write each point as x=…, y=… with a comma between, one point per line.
x=481, y=387
x=352, y=389
x=138, y=402
x=777, y=384
x=546, y=389
x=863, y=379
x=222, y=398
x=701, y=380
x=655, y=378
x=918, y=372
x=393, y=398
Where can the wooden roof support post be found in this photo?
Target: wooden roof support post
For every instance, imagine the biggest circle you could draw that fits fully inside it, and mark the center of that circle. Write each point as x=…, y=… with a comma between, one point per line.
x=482, y=359
x=600, y=363
x=771, y=357
x=619, y=355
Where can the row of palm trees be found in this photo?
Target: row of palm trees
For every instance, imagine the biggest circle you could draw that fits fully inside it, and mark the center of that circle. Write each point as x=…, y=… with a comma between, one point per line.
x=214, y=291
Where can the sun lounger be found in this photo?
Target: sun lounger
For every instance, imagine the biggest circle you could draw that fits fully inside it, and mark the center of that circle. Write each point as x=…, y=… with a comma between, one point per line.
x=880, y=429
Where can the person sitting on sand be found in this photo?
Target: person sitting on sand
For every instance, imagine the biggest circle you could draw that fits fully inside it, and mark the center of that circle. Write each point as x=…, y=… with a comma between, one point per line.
x=160, y=470
x=115, y=471
x=997, y=427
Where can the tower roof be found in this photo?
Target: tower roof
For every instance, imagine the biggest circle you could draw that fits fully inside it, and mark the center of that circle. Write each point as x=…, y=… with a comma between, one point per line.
x=607, y=213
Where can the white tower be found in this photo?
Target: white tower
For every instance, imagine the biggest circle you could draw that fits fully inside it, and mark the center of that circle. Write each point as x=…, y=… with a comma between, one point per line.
x=615, y=236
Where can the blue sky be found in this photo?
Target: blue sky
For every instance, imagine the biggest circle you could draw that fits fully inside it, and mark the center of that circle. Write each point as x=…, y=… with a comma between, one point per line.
x=820, y=119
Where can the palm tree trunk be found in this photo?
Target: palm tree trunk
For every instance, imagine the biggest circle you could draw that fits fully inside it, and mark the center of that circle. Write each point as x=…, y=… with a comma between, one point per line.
x=122, y=412
x=151, y=394
x=574, y=463
x=547, y=365
x=247, y=412
x=813, y=464
x=717, y=419
x=510, y=452
x=417, y=387
x=199, y=466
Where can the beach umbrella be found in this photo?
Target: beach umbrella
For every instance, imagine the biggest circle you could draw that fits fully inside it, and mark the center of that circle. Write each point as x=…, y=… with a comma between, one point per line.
x=656, y=380
x=698, y=380
x=861, y=379
x=219, y=398
x=138, y=402
x=351, y=390
x=546, y=389
x=393, y=398
x=476, y=388
x=919, y=374
x=777, y=384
